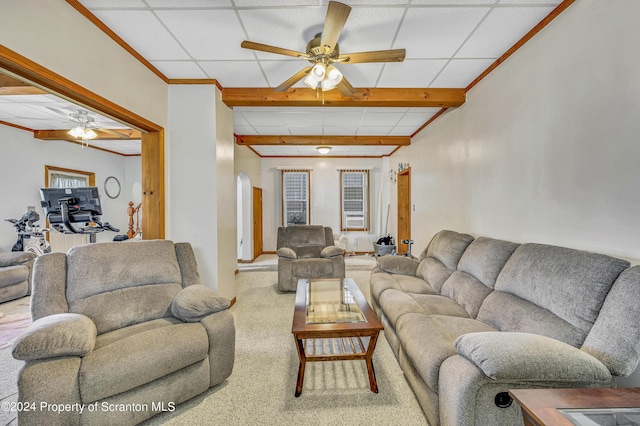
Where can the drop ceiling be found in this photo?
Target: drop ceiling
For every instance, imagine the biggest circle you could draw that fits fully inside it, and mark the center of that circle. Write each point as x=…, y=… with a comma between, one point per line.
x=449, y=43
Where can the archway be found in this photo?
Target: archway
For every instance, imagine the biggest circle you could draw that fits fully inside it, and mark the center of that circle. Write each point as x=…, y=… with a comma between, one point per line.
x=245, y=224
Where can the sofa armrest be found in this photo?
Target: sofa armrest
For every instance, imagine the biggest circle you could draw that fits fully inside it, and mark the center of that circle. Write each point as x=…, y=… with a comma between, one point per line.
x=398, y=265
x=287, y=253
x=196, y=302
x=56, y=335
x=529, y=357
x=331, y=251
x=14, y=258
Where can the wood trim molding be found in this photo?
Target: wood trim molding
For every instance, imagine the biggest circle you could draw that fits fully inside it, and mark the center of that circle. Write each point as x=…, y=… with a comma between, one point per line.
x=64, y=135
x=4, y=123
x=320, y=140
x=375, y=97
x=44, y=78
x=115, y=37
x=47, y=168
x=195, y=81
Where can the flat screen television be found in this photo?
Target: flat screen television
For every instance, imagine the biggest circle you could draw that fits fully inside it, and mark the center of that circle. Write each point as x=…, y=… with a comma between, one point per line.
x=84, y=203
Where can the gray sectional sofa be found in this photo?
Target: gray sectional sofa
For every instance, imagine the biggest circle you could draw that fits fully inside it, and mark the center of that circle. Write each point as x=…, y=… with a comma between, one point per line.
x=472, y=318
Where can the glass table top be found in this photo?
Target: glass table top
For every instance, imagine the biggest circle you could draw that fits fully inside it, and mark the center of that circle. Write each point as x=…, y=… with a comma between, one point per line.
x=330, y=302
x=602, y=416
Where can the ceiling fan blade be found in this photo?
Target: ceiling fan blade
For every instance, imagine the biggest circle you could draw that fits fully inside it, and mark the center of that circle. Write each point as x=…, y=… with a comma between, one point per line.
x=112, y=132
x=293, y=79
x=272, y=49
x=394, y=55
x=345, y=87
x=337, y=14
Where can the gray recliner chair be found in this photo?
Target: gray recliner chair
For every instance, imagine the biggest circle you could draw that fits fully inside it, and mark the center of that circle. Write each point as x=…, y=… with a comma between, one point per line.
x=307, y=251
x=15, y=274
x=120, y=325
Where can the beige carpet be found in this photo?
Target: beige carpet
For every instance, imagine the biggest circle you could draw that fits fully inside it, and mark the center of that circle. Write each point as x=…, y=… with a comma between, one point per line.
x=261, y=389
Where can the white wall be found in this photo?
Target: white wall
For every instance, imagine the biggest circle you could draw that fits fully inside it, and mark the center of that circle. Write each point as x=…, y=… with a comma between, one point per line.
x=325, y=194
x=22, y=175
x=546, y=147
x=52, y=33
x=200, y=185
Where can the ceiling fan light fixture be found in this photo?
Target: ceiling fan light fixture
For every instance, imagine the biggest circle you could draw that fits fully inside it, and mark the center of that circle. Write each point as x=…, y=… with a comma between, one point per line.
x=327, y=85
x=323, y=149
x=81, y=132
x=334, y=75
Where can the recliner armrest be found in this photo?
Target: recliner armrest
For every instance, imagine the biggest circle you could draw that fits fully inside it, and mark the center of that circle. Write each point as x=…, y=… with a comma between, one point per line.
x=195, y=302
x=15, y=258
x=529, y=357
x=331, y=251
x=286, y=252
x=56, y=335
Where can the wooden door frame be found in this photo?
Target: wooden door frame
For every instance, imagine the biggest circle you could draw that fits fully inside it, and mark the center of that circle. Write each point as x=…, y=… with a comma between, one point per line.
x=257, y=251
x=153, y=198
x=403, y=248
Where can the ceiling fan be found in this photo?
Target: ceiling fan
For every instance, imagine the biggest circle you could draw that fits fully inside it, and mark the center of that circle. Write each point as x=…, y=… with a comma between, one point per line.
x=323, y=52
x=86, y=125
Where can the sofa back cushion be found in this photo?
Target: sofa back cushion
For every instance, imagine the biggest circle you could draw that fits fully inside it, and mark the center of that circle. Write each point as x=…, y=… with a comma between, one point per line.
x=441, y=257
x=614, y=339
x=570, y=284
x=118, y=284
x=477, y=272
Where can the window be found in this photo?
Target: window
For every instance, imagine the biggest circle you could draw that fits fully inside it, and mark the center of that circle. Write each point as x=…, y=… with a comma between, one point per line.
x=295, y=197
x=354, y=200
x=58, y=177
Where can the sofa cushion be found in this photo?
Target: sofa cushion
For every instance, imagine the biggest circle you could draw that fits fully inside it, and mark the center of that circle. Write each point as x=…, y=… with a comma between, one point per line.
x=125, y=363
x=615, y=336
x=13, y=258
x=195, y=302
x=380, y=281
x=306, y=235
x=434, y=273
x=467, y=291
x=396, y=303
x=507, y=312
x=398, y=265
x=571, y=284
x=485, y=258
x=11, y=275
x=304, y=252
x=428, y=341
x=524, y=356
x=447, y=247
x=312, y=268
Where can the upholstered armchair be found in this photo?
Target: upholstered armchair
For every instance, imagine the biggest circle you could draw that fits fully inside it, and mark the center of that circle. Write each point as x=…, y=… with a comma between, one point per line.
x=121, y=332
x=307, y=251
x=15, y=274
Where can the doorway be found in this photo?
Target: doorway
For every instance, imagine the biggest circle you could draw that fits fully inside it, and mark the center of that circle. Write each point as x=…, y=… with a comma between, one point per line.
x=404, y=209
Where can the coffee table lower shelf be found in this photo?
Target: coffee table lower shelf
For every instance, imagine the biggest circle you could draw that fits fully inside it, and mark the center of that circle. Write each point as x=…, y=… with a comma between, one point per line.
x=347, y=348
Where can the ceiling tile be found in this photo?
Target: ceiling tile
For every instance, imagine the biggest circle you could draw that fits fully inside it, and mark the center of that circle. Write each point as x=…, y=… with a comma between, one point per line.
x=370, y=28
x=244, y=130
x=372, y=118
x=502, y=28
x=302, y=119
x=266, y=117
x=437, y=32
x=307, y=130
x=272, y=130
x=275, y=3
x=278, y=71
x=179, y=69
x=121, y=4
x=188, y=3
x=234, y=73
x=266, y=26
x=201, y=33
x=453, y=2
x=403, y=130
x=415, y=119
x=340, y=130
x=414, y=73
x=532, y=2
x=461, y=72
x=142, y=31
x=373, y=130
x=362, y=75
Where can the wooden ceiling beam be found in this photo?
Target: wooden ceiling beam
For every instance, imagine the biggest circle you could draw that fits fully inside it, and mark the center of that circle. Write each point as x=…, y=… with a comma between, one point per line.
x=64, y=135
x=375, y=97
x=13, y=86
x=323, y=140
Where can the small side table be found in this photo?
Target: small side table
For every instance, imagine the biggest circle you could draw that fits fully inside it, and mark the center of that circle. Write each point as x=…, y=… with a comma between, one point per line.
x=540, y=406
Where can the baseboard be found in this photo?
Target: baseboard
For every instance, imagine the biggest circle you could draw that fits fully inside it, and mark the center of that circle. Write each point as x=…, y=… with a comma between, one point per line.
x=232, y=302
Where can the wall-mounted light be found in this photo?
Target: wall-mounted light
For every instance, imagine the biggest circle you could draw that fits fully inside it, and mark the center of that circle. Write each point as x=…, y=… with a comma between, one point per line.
x=323, y=149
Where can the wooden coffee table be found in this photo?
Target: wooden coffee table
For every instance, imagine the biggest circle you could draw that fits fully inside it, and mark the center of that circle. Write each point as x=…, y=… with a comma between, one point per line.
x=540, y=407
x=332, y=321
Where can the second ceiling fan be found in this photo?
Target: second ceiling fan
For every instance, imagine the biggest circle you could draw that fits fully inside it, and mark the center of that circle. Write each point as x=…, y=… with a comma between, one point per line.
x=323, y=52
